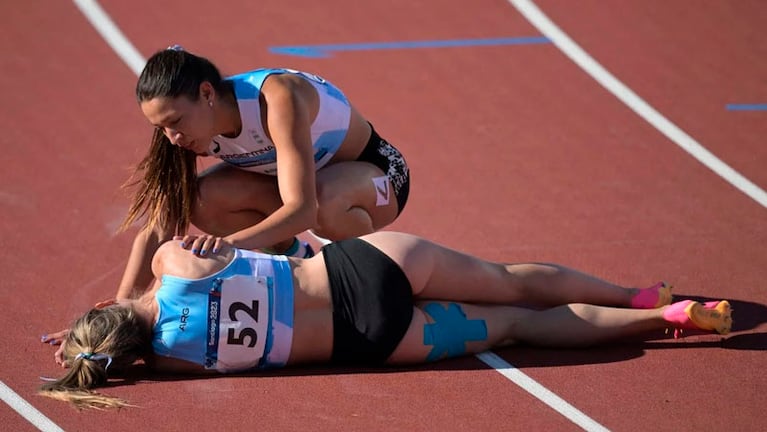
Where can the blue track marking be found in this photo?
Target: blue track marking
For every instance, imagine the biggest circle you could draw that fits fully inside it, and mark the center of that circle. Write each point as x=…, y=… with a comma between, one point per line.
x=450, y=331
x=321, y=51
x=747, y=107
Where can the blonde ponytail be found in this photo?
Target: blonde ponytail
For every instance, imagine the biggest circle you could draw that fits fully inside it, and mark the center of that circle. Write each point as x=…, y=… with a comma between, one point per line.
x=98, y=339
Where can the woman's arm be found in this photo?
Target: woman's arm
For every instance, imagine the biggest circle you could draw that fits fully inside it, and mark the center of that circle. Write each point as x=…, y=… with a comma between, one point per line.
x=291, y=103
x=138, y=272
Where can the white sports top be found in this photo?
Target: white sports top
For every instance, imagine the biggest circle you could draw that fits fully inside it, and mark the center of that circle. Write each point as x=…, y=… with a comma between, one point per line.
x=252, y=150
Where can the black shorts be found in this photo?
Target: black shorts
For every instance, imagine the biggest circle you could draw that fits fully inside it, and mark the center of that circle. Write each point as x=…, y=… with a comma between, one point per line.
x=372, y=302
x=383, y=155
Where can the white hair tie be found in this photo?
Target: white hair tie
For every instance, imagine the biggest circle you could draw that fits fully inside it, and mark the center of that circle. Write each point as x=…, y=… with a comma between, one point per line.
x=95, y=357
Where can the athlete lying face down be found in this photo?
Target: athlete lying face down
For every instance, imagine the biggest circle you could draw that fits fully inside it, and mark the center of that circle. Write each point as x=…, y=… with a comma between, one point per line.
x=385, y=298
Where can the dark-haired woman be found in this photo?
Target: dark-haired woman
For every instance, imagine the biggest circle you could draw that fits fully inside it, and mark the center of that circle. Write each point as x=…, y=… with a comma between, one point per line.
x=296, y=156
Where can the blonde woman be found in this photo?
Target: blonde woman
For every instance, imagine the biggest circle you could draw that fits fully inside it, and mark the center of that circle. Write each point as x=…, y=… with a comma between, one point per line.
x=382, y=299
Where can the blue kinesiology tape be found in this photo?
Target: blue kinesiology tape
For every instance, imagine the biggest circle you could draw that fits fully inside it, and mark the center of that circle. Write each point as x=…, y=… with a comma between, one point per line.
x=450, y=331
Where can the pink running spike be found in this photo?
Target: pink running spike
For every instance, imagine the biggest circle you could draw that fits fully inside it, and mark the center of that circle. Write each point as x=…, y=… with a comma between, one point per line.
x=653, y=297
x=711, y=316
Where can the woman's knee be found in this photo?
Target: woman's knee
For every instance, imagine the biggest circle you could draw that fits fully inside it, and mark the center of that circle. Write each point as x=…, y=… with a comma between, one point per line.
x=211, y=198
x=533, y=276
x=339, y=215
x=225, y=191
x=236, y=189
x=340, y=224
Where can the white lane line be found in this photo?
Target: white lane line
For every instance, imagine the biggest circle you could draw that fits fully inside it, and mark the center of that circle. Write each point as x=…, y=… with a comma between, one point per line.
x=26, y=410
x=111, y=34
x=542, y=393
x=533, y=14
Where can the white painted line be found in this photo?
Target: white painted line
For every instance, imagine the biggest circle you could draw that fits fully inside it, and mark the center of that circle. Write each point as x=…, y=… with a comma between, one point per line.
x=540, y=392
x=111, y=34
x=26, y=410
x=530, y=11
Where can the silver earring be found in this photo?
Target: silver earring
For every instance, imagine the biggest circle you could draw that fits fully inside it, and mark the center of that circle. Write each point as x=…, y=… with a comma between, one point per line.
x=210, y=104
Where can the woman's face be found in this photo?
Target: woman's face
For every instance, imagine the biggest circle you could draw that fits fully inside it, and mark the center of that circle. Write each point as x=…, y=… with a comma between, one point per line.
x=186, y=123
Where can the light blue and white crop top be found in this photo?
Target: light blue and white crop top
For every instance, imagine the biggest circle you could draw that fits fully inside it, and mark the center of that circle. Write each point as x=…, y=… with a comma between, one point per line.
x=238, y=319
x=252, y=150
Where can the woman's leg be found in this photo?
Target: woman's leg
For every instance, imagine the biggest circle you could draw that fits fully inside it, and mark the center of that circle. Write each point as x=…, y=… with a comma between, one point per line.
x=437, y=272
x=581, y=325
x=351, y=204
x=448, y=329
x=232, y=199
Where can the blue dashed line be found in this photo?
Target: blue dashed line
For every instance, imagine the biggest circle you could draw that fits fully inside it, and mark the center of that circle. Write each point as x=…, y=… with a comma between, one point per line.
x=321, y=51
x=747, y=107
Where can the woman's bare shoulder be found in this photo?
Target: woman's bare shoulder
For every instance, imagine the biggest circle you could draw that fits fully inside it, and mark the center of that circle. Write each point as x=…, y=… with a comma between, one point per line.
x=173, y=259
x=167, y=257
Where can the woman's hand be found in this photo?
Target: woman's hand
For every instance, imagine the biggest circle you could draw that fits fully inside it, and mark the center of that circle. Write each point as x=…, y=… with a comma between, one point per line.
x=58, y=338
x=201, y=245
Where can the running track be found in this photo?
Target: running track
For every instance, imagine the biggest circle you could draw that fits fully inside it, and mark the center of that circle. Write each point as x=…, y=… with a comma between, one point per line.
x=517, y=154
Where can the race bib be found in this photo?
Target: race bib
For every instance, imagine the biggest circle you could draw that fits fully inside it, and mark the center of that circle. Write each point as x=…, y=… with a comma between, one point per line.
x=238, y=319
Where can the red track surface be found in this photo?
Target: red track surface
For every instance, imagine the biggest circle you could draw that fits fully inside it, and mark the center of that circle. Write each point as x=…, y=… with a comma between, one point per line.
x=516, y=155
